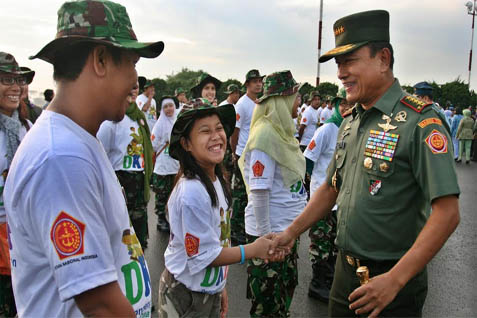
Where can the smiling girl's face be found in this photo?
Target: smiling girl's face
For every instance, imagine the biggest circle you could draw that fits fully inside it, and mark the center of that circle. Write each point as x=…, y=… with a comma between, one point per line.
x=207, y=142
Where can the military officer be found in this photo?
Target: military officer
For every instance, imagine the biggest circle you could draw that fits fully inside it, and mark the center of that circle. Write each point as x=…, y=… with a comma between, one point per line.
x=391, y=166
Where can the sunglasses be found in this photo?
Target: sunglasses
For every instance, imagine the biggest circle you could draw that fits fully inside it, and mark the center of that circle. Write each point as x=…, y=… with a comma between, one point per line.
x=10, y=80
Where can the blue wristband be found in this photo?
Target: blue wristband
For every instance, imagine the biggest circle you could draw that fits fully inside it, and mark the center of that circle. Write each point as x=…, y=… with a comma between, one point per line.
x=242, y=255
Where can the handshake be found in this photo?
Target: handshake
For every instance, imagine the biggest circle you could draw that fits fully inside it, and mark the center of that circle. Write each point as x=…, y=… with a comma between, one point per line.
x=272, y=247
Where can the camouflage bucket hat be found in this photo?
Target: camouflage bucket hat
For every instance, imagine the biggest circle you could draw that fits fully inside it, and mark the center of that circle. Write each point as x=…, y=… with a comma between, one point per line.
x=8, y=64
x=279, y=84
x=252, y=74
x=203, y=79
x=356, y=30
x=189, y=113
x=340, y=95
x=179, y=91
x=232, y=88
x=97, y=21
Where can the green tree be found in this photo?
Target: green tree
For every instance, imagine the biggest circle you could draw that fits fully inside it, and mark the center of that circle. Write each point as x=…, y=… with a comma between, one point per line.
x=185, y=79
x=328, y=89
x=457, y=93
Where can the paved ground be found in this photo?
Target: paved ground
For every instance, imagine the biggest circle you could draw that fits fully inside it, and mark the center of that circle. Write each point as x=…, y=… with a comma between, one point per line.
x=452, y=273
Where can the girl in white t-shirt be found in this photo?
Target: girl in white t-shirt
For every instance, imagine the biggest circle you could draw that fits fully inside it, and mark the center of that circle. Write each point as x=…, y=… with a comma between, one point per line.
x=199, y=250
x=273, y=167
x=165, y=167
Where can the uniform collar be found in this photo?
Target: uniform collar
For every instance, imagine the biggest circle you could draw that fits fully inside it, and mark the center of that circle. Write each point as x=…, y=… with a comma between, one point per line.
x=387, y=102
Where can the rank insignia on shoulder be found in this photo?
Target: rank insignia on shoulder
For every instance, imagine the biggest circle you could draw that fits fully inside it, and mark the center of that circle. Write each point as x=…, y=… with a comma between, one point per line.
x=414, y=103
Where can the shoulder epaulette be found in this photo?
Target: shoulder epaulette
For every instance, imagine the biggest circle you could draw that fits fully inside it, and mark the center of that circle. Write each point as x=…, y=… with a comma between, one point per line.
x=414, y=103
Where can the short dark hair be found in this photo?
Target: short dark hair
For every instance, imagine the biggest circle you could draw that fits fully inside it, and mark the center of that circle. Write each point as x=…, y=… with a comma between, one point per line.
x=70, y=61
x=48, y=93
x=375, y=47
x=190, y=169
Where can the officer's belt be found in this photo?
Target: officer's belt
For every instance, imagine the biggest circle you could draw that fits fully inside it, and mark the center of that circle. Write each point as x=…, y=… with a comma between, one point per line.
x=356, y=262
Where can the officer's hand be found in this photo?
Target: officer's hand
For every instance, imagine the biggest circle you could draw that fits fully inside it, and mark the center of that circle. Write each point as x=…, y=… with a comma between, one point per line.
x=281, y=246
x=375, y=295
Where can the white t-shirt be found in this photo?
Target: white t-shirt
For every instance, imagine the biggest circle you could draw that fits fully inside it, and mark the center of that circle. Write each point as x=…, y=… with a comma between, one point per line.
x=4, y=167
x=326, y=114
x=165, y=164
x=310, y=120
x=198, y=233
x=244, y=109
x=151, y=114
x=225, y=102
x=123, y=143
x=302, y=108
x=263, y=173
x=320, y=150
x=70, y=229
x=318, y=114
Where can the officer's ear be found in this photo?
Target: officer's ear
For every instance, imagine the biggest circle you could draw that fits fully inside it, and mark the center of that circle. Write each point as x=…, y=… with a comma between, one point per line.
x=385, y=59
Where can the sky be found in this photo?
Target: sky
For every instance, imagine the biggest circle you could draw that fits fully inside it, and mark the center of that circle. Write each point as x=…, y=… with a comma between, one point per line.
x=431, y=38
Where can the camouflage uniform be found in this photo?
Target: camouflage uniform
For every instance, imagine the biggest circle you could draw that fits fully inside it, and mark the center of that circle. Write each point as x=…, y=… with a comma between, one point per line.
x=239, y=203
x=162, y=187
x=322, y=237
x=133, y=185
x=270, y=287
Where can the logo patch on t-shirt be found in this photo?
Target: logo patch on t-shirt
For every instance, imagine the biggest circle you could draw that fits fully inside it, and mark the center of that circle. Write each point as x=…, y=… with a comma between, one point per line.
x=304, y=120
x=437, y=142
x=312, y=145
x=67, y=235
x=191, y=244
x=237, y=118
x=258, y=168
x=153, y=137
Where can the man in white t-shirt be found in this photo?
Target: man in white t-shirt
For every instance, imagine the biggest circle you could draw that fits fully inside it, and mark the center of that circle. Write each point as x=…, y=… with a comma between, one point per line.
x=327, y=111
x=73, y=250
x=244, y=111
x=233, y=92
x=309, y=121
x=147, y=103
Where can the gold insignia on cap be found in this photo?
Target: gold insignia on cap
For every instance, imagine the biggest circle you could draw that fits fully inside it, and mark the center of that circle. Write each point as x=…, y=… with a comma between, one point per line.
x=368, y=163
x=339, y=30
x=401, y=116
x=387, y=126
x=384, y=167
x=340, y=49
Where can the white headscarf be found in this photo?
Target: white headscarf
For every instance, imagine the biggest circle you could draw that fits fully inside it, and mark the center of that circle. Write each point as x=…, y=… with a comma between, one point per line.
x=163, y=127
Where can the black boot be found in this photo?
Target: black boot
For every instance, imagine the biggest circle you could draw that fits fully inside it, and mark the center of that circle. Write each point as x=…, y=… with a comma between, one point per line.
x=319, y=288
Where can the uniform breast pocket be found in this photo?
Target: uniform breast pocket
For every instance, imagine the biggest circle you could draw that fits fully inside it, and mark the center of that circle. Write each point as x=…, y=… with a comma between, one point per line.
x=378, y=175
x=340, y=158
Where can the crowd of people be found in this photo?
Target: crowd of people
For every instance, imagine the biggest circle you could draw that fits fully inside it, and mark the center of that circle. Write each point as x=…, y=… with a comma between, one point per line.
x=235, y=181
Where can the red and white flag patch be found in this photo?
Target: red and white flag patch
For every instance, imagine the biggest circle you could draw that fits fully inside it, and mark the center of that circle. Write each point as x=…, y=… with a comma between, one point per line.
x=191, y=244
x=67, y=235
x=312, y=144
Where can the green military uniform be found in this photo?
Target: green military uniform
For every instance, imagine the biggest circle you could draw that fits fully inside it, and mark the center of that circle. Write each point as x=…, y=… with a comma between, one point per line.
x=384, y=196
x=391, y=161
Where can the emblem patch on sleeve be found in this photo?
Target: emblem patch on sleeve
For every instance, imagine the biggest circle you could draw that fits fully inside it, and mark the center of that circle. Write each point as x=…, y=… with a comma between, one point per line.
x=153, y=137
x=304, y=120
x=191, y=244
x=237, y=117
x=312, y=145
x=67, y=235
x=437, y=142
x=258, y=168
x=428, y=121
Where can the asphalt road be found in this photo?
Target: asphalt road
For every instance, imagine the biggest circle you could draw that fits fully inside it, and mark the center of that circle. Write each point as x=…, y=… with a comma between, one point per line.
x=452, y=273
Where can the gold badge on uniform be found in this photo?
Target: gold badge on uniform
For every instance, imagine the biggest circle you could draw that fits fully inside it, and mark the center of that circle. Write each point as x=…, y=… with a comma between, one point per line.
x=368, y=163
x=384, y=167
x=350, y=260
x=387, y=126
x=401, y=116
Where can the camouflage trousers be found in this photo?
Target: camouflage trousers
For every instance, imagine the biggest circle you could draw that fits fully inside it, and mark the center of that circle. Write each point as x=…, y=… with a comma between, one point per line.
x=7, y=300
x=162, y=187
x=270, y=287
x=239, y=202
x=322, y=239
x=175, y=300
x=133, y=185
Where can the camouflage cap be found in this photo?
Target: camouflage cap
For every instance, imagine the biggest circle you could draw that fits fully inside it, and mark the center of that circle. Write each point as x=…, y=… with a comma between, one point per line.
x=179, y=91
x=8, y=64
x=313, y=94
x=97, y=21
x=197, y=108
x=202, y=80
x=252, y=74
x=232, y=88
x=356, y=30
x=340, y=95
x=279, y=84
